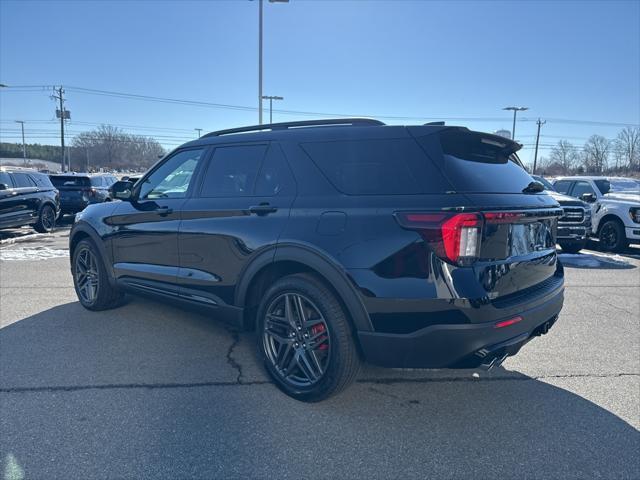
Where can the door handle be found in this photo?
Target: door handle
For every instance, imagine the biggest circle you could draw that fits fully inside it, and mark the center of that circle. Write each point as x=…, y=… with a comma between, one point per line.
x=263, y=209
x=164, y=210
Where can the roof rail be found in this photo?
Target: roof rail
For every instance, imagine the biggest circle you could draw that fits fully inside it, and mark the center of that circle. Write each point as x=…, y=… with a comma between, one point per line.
x=354, y=122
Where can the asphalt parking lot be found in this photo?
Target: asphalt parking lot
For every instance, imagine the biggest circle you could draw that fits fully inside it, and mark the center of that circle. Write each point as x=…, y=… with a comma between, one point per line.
x=153, y=391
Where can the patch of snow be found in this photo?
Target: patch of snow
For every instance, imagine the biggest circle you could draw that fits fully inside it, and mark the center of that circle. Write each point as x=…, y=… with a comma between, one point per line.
x=42, y=253
x=593, y=260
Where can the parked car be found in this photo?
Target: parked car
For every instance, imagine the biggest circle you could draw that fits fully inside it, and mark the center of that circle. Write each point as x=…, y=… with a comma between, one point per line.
x=27, y=197
x=337, y=241
x=78, y=190
x=615, y=207
x=574, y=227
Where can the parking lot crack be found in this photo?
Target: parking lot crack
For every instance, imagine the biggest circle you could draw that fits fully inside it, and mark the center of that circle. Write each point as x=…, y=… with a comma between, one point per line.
x=235, y=336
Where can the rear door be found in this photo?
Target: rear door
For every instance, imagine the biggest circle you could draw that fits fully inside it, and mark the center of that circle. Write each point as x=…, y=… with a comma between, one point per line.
x=241, y=208
x=26, y=197
x=145, y=239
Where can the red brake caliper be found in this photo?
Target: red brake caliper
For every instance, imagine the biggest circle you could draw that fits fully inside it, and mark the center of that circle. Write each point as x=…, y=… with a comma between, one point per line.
x=316, y=329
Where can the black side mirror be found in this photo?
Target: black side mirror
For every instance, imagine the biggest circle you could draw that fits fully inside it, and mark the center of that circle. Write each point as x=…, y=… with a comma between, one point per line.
x=4, y=186
x=122, y=190
x=588, y=197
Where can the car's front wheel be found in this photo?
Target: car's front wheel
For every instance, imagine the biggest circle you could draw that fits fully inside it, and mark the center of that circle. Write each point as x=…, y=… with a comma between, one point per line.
x=90, y=279
x=46, y=219
x=305, y=339
x=612, y=237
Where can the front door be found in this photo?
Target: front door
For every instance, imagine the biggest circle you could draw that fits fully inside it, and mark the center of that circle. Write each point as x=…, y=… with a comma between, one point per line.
x=145, y=239
x=241, y=208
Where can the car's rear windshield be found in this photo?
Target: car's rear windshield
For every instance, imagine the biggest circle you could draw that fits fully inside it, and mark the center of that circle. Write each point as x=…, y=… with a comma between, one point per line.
x=70, y=181
x=395, y=166
x=480, y=163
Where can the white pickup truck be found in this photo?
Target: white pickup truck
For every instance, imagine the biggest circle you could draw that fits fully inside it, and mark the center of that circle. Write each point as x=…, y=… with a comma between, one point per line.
x=615, y=207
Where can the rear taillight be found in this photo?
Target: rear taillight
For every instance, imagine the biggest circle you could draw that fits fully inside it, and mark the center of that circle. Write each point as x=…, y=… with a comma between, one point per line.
x=453, y=237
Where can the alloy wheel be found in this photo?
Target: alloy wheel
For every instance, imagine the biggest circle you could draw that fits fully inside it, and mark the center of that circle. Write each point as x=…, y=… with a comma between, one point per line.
x=87, y=278
x=609, y=236
x=48, y=218
x=296, y=340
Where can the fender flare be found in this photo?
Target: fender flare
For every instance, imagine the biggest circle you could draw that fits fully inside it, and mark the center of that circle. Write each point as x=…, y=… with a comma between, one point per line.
x=315, y=260
x=86, y=229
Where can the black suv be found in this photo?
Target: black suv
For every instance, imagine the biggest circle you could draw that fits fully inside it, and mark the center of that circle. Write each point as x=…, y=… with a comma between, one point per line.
x=78, y=190
x=337, y=240
x=27, y=197
x=575, y=224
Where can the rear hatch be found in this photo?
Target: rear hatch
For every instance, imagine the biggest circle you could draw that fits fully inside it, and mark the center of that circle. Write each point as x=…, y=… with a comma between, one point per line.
x=508, y=237
x=72, y=188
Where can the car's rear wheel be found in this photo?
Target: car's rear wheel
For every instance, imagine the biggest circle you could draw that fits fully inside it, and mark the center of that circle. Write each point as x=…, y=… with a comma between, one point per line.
x=90, y=279
x=305, y=339
x=612, y=237
x=46, y=220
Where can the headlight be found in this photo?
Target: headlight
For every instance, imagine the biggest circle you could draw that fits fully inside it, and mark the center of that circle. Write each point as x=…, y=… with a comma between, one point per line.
x=634, y=213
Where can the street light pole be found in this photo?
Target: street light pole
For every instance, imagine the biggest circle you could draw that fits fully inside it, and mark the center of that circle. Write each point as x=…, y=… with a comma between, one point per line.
x=515, y=111
x=271, y=98
x=260, y=55
x=24, y=148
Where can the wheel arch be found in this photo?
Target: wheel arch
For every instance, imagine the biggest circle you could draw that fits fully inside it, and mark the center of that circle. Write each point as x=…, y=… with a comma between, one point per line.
x=82, y=231
x=288, y=259
x=606, y=218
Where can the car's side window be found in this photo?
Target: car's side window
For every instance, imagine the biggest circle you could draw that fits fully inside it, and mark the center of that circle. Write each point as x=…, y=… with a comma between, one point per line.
x=274, y=174
x=580, y=188
x=173, y=177
x=232, y=171
x=562, y=186
x=22, y=180
x=6, y=179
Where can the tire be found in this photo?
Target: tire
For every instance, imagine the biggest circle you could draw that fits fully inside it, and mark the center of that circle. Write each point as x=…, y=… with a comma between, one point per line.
x=572, y=247
x=46, y=220
x=90, y=279
x=313, y=360
x=612, y=237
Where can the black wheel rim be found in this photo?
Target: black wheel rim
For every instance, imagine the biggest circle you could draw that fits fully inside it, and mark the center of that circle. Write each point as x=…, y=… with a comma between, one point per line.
x=48, y=218
x=87, y=279
x=296, y=340
x=609, y=236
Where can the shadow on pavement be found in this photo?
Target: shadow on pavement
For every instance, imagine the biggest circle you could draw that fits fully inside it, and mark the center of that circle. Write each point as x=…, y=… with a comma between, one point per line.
x=149, y=391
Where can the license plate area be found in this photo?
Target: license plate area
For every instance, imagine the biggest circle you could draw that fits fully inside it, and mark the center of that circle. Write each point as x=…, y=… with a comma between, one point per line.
x=531, y=237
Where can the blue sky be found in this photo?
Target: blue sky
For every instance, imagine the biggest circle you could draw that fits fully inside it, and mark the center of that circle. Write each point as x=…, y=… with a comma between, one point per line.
x=426, y=59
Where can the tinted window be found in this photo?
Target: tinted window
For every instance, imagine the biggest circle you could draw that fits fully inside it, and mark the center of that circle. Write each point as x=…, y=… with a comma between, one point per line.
x=6, y=179
x=581, y=188
x=22, y=180
x=376, y=167
x=41, y=180
x=543, y=181
x=562, y=186
x=69, y=181
x=97, y=181
x=274, y=174
x=173, y=177
x=232, y=171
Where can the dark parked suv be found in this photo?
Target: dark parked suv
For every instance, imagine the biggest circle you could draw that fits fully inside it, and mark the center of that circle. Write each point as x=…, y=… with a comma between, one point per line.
x=338, y=241
x=27, y=197
x=78, y=190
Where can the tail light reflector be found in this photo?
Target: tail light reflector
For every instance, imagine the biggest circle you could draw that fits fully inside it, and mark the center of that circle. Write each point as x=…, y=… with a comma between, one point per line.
x=506, y=323
x=453, y=237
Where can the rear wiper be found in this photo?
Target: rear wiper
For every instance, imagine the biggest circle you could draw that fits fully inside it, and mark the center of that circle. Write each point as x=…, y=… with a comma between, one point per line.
x=533, y=187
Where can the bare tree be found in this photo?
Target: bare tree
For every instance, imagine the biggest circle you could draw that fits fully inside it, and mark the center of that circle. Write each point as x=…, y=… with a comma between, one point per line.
x=596, y=154
x=565, y=156
x=626, y=149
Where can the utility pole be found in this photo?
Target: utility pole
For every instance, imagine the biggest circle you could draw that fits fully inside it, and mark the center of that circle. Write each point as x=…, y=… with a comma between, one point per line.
x=61, y=113
x=515, y=111
x=199, y=130
x=24, y=148
x=535, y=156
x=271, y=98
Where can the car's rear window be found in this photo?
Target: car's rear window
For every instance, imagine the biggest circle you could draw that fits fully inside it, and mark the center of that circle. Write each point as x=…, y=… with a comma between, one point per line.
x=478, y=163
x=41, y=180
x=70, y=181
x=376, y=167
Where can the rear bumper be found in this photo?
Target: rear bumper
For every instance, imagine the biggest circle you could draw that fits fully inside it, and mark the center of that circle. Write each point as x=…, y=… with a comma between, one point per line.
x=460, y=345
x=73, y=206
